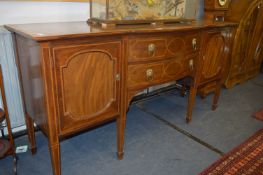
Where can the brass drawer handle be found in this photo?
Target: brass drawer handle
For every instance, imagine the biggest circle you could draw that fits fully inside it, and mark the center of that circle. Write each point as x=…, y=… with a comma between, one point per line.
x=149, y=74
x=191, y=64
x=194, y=43
x=151, y=48
x=118, y=77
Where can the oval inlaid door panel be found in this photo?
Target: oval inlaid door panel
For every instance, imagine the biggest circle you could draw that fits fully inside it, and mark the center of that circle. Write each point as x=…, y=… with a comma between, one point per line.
x=213, y=59
x=87, y=86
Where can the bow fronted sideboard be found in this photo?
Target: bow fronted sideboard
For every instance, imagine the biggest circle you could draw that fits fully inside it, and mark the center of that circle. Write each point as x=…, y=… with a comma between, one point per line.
x=75, y=76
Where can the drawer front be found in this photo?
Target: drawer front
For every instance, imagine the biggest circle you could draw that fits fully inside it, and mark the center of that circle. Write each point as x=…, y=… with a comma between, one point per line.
x=162, y=46
x=143, y=49
x=141, y=76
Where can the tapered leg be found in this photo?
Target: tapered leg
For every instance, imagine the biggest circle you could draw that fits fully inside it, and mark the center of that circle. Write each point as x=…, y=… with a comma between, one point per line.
x=54, y=149
x=191, y=101
x=121, y=124
x=31, y=134
x=183, y=90
x=15, y=164
x=216, y=96
x=2, y=133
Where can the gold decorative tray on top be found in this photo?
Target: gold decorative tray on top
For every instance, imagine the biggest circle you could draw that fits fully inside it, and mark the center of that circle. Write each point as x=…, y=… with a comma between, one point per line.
x=112, y=12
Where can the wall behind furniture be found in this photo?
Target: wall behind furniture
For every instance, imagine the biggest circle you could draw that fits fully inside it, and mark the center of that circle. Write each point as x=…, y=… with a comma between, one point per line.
x=14, y=12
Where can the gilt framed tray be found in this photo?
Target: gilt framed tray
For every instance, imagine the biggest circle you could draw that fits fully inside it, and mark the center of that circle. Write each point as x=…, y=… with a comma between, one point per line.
x=118, y=12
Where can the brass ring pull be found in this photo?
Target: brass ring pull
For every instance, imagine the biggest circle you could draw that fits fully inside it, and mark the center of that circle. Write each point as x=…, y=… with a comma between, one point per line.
x=118, y=77
x=151, y=48
x=194, y=43
x=191, y=64
x=149, y=74
x=259, y=6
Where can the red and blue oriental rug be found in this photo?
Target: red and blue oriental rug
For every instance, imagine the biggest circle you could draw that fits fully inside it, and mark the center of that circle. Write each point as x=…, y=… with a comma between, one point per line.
x=246, y=159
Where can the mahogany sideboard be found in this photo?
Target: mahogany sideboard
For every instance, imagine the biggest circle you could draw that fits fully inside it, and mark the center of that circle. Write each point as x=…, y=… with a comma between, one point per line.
x=75, y=76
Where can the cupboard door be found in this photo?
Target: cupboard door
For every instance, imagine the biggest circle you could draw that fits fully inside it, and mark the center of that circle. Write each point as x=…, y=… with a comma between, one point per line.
x=213, y=59
x=88, y=84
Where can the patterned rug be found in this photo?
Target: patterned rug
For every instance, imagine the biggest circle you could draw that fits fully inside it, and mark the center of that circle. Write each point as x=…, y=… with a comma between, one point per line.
x=259, y=115
x=246, y=159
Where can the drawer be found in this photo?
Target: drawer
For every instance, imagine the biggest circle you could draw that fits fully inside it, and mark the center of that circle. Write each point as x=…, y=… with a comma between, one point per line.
x=188, y=43
x=151, y=48
x=141, y=76
x=143, y=49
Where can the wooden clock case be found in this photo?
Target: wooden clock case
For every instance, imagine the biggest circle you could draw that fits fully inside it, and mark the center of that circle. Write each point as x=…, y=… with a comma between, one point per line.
x=214, y=11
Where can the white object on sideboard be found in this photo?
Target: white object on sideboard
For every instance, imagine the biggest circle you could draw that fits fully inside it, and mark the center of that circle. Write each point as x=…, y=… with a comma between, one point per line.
x=21, y=12
x=11, y=81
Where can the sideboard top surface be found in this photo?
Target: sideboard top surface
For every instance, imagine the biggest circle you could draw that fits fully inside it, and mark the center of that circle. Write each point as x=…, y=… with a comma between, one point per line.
x=67, y=30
